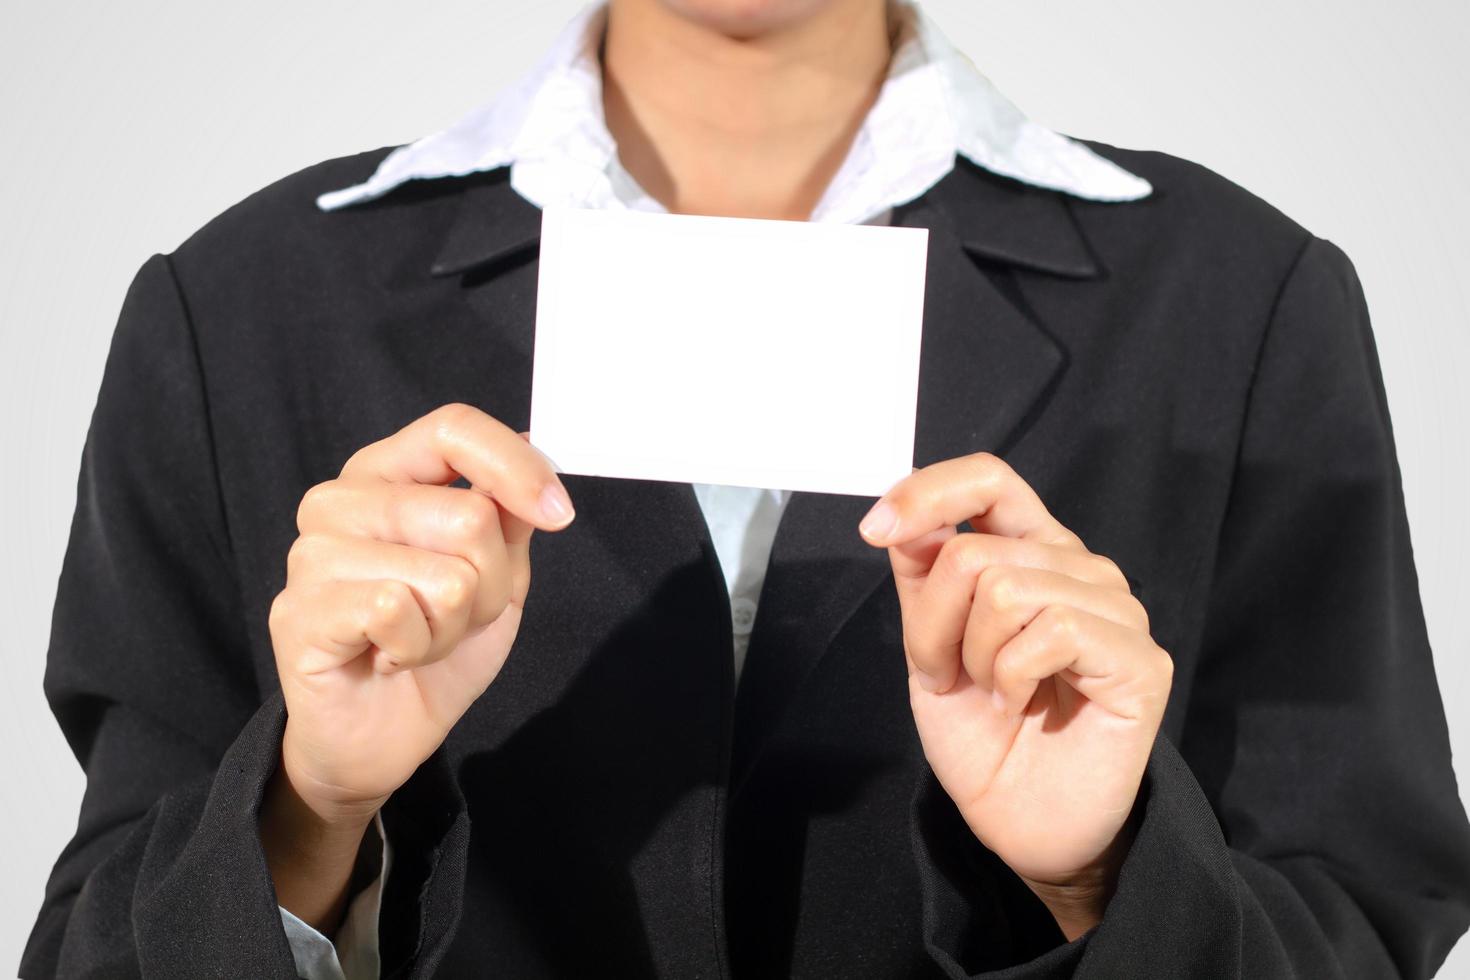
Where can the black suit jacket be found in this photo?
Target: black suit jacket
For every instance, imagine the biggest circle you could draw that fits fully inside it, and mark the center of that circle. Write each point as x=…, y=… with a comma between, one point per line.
x=1189, y=382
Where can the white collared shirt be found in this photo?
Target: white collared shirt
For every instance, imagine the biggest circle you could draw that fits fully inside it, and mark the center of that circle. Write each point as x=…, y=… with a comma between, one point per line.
x=549, y=129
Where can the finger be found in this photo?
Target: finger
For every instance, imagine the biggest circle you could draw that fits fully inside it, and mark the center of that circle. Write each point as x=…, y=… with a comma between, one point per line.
x=443, y=585
x=460, y=440
x=980, y=488
x=939, y=605
x=908, y=564
x=1008, y=597
x=326, y=625
x=1120, y=669
x=517, y=532
x=448, y=520
x=913, y=560
x=946, y=553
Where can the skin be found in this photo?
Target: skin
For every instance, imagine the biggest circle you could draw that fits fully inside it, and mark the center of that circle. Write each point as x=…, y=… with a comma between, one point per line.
x=1036, y=689
x=403, y=596
x=742, y=109
x=1035, y=686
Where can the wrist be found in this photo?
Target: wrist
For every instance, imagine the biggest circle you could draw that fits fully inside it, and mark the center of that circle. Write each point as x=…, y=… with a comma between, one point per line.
x=1076, y=907
x=300, y=822
x=1077, y=901
x=336, y=808
x=310, y=849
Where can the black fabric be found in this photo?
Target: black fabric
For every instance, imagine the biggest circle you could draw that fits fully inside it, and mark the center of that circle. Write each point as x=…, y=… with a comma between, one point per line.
x=1189, y=382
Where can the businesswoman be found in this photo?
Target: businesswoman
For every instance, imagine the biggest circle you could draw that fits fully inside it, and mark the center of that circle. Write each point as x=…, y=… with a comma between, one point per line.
x=1129, y=678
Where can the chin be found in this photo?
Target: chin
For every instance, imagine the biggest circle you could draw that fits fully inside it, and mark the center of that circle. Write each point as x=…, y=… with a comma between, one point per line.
x=746, y=18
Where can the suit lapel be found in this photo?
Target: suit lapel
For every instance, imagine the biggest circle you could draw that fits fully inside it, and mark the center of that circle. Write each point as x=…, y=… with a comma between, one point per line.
x=985, y=370
x=647, y=528
x=493, y=225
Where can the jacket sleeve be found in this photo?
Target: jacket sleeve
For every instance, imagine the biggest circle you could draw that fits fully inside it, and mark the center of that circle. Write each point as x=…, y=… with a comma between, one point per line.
x=352, y=954
x=1307, y=823
x=149, y=675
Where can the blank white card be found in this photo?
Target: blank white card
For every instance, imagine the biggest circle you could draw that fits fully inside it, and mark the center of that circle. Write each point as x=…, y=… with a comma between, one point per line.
x=780, y=354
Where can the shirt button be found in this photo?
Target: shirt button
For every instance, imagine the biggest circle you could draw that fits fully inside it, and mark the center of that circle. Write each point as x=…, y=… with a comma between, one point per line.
x=742, y=615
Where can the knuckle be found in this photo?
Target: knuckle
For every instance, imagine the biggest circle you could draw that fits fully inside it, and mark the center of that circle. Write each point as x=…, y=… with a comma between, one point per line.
x=1165, y=665
x=1062, y=537
x=966, y=555
x=986, y=460
x=358, y=460
x=987, y=468
x=1063, y=622
x=953, y=558
x=391, y=601
x=472, y=516
x=1104, y=564
x=316, y=499
x=280, y=612
x=1109, y=571
x=448, y=420
x=454, y=587
x=999, y=586
x=303, y=553
x=1155, y=684
x=1140, y=612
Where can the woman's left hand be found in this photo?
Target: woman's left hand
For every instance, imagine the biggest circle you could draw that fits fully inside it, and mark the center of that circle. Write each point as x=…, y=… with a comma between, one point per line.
x=1035, y=686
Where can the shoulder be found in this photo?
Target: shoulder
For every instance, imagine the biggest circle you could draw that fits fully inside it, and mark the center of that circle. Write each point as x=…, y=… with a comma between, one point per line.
x=1190, y=198
x=275, y=255
x=1205, y=216
x=284, y=209
x=1201, y=232
x=1196, y=215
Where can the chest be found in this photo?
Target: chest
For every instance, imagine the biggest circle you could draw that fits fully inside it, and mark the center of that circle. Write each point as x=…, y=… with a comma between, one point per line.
x=614, y=771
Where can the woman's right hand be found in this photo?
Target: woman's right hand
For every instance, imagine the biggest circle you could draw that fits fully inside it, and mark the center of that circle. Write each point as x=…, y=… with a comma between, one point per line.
x=402, y=599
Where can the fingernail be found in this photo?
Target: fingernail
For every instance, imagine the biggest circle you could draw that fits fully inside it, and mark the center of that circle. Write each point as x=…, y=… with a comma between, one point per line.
x=556, y=506
x=880, y=522
x=999, y=700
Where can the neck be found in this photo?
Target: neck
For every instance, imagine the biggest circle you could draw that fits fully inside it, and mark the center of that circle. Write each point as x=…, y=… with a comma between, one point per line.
x=752, y=125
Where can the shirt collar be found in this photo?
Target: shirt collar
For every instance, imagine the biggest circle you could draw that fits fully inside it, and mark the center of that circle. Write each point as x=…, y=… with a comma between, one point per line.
x=548, y=127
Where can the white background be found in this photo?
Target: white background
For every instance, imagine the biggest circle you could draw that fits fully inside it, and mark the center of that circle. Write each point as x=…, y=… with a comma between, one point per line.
x=124, y=126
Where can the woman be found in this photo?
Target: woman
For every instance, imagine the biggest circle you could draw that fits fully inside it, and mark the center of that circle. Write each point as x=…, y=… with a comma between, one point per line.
x=1165, y=707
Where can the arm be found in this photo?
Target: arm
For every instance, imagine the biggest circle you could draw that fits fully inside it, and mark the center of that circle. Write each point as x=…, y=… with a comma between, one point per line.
x=150, y=679
x=1317, y=731
x=352, y=953
x=181, y=864
x=1307, y=823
